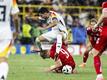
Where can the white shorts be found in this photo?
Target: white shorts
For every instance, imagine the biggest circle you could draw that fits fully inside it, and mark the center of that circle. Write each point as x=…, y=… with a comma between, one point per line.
x=52, y=35
x=5, y=47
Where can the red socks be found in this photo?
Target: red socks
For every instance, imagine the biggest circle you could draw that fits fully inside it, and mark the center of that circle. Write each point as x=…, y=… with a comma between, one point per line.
x=85, y=57
x=97, y=65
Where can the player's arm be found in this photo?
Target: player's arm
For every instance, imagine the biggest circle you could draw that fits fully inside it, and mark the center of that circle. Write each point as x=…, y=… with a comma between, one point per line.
x=34, y=17
x=103, y=15
x=50, y=25
x=57, y=64
x=54, y=23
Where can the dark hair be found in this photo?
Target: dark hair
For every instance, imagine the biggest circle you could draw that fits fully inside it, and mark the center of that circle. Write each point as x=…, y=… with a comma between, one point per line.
x=43, y=10
x=93, y=20
x=43, y=54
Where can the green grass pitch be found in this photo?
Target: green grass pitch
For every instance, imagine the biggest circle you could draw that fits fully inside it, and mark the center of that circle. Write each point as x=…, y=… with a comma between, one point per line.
x=32, y=67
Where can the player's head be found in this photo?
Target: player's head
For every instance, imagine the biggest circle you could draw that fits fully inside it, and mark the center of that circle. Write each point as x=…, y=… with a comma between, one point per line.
x=44, y=12
x=93, y=21
x=44, y=54
x=104, y=4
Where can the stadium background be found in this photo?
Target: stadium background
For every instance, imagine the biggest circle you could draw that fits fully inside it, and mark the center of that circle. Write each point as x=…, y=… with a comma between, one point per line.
x=76, y=14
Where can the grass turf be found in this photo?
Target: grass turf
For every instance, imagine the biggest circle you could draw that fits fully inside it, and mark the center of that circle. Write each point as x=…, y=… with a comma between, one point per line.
x=32, y=67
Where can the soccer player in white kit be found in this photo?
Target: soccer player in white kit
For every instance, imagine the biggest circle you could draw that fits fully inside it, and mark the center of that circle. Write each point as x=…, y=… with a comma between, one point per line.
x=7, y=8
x=57, y=24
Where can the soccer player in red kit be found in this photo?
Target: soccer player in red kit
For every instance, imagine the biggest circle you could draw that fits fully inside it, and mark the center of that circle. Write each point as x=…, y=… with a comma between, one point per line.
x=93, y=36
x=101, y=42
x=63, y=58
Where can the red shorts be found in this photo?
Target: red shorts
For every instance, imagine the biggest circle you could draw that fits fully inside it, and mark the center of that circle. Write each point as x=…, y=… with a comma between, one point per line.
x=101, y=42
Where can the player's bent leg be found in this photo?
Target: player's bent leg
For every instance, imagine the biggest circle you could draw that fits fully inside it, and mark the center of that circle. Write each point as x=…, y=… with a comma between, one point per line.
x=38, y=42
x=97, y=64
x=60, y=38
x=85, y=57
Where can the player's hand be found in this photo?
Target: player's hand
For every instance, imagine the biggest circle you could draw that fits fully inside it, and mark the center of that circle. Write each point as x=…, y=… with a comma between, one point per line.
x=47, y=70
x=75, y=71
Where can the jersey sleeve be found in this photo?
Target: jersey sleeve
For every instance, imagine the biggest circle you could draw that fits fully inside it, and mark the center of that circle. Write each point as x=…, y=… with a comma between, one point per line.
x=14, y=7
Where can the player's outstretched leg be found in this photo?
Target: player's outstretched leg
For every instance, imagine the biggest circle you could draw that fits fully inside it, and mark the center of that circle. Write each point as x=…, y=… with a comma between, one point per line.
x=85, y=57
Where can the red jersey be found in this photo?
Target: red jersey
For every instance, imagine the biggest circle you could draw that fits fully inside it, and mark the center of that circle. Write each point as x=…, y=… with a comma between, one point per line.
x=93, y=35
x=101, y=42
x=64, y=56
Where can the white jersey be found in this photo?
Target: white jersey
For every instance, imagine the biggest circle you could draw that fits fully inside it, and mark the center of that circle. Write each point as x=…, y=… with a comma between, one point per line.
x=7, y=7
x=61, y=24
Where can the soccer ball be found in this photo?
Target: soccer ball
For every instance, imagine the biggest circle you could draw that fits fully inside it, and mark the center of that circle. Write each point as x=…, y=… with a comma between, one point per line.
x=67, y=69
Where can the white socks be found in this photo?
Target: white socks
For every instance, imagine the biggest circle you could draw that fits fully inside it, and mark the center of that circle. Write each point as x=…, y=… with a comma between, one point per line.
x=100, y=75
x=3, y=70
x=59, y=43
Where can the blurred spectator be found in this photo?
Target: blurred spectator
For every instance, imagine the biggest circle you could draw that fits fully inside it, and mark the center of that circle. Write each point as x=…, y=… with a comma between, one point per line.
x=78, y=32
x=26, y=37
x=100, y=2
x=94, y=2
x=83, y=16
x=47, y=1
x=56, y=5
x=41, y=2
x=64, y=2
x=92, y=14
x=29, y=18
x=28, y=1
x=20, y=1
x=29, y=31
x=67, y=17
